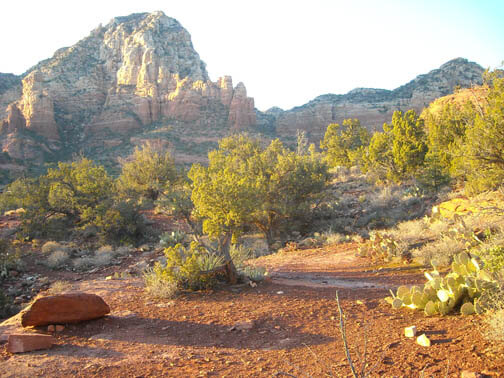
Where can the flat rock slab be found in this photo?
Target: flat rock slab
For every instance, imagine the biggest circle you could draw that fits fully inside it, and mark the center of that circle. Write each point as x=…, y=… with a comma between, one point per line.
x=64, y=308
x=26, y=342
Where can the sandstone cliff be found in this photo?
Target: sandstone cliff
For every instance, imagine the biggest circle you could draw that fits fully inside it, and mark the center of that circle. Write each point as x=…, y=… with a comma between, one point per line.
x=375, y=106
x=139, y=79
x=134, y=72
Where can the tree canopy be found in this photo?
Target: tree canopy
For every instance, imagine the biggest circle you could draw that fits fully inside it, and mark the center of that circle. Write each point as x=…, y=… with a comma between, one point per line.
x=246, y=185
x=343, y=144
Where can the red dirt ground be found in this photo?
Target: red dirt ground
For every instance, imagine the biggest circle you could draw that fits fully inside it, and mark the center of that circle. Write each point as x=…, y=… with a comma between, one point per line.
x=286, y=326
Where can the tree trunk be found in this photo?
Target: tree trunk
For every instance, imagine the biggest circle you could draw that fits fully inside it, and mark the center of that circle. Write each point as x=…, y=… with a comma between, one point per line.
x=269, y=237
x=224, y=247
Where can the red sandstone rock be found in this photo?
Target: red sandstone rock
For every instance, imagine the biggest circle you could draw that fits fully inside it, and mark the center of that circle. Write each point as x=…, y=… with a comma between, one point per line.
x=26, y=342
x=64, y=308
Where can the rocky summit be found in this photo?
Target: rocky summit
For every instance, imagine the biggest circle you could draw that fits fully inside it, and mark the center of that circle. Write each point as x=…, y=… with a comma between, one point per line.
x=139, y=79
x=134, y=72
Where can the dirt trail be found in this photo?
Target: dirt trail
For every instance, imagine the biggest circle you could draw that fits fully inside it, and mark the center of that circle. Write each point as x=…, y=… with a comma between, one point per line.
x=287, y=325
x=319, y=269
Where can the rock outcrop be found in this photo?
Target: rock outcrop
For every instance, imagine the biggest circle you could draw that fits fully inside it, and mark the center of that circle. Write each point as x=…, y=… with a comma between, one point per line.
x=373, y=107
x=135, y=71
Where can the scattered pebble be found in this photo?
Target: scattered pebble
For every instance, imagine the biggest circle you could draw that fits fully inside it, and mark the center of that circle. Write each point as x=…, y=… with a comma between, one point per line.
x=423, y=340
x=410, y=331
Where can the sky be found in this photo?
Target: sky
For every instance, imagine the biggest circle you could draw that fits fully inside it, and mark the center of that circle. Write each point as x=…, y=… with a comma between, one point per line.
x=285, y=52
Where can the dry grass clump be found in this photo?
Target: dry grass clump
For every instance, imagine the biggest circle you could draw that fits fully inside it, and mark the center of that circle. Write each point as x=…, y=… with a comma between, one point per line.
x=494, y=329
x=123, y=250
x=441, y=250
x=333, y=238
x=411, y=231
x=438, y=227
x=157, y=287
x=384, y=197
x=50, y=247
x=57, y=259
x=102, y=259
x=83, y=263
x=494, y=318
x=105, y=249
x=59, y=287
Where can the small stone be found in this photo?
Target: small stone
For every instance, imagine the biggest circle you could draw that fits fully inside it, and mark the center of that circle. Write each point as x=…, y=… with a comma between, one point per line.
x=60, y=328
x=50, y=328
x=470, y=374
x=243, y=326
x=19, y=342
x=423, y=340
x=410, y=331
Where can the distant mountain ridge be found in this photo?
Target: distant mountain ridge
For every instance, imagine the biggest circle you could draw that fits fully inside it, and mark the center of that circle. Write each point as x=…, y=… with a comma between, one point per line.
x=376, y=106
x=139, y=79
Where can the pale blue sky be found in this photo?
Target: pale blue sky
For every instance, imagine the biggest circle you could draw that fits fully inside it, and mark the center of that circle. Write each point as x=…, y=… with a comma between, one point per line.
x=286, y=52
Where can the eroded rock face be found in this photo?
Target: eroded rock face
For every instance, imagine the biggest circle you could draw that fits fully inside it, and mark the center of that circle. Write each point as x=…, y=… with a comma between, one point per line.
x=37, y=107
x=64, y=308
x=124, y=76
x=373, y=107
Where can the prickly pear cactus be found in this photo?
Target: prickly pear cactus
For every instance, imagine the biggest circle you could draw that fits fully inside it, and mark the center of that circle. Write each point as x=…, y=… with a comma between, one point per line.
x=381, y=247
x=464, y=289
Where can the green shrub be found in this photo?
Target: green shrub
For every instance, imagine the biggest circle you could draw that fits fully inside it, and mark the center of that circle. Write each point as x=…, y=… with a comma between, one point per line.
x=10, y=258
x=119, y=224
x=146, y=176
x=399, y=151
x=6, y=307
x=189, y=268
x=484, y=146
x=494, y=258
x=245, y=185
x=71, y=198
x=343, y=144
